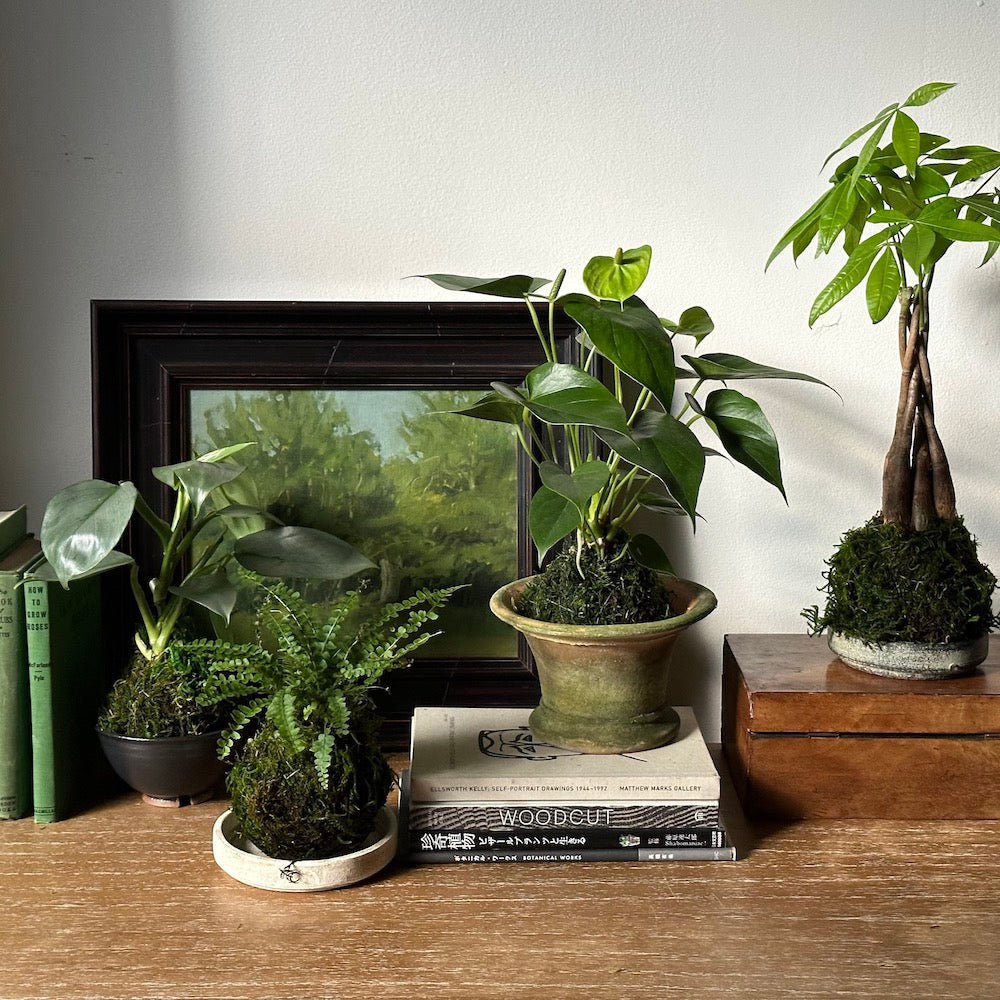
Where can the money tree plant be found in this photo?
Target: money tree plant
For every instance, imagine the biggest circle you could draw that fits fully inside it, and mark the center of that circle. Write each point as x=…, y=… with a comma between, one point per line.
x=896, y=208
x=615, y=433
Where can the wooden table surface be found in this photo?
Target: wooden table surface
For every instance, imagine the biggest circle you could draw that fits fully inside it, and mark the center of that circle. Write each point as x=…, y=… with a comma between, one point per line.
x=126, y=901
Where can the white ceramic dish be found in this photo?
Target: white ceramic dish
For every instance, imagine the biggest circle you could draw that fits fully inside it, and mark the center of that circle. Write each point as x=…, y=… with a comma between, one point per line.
x=245, y=863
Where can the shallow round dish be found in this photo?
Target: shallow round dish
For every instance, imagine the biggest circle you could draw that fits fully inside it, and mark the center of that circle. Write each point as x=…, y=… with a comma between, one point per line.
x=245, y=863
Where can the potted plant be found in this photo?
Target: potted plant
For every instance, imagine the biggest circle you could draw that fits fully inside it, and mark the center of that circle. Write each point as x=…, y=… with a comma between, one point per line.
x=157, y=735
x=906, y=593
x=310, y=784
x=611, y=435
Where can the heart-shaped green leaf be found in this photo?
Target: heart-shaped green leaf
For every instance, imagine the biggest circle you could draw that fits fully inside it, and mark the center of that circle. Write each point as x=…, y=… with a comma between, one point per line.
x=632, y=338
x=724, y=367
x=494, y=407
x=617, y=278
x=667, y=449
x=295, y=551
x=551, y=518
x=513, y=286
x=82, y=525
x=745, y=433
x=648, y=552
x=565, y=394
x=578, y=486
x=114, y=559
x=213, y=591
x=198, y=478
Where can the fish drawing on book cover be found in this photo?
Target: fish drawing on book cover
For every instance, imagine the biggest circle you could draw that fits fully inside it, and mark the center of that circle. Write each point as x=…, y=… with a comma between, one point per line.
x=519, y=743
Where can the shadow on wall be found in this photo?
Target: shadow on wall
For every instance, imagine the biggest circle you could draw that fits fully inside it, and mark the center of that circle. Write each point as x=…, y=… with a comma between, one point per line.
x=91, y=183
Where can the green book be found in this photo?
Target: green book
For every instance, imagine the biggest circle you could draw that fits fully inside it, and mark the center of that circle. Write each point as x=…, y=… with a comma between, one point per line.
x=15, y=714
x=66, y=686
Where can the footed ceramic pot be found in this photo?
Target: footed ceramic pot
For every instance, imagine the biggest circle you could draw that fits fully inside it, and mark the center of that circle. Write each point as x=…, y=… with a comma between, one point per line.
x=604, y=687
x=169, y=770
x=912, y=661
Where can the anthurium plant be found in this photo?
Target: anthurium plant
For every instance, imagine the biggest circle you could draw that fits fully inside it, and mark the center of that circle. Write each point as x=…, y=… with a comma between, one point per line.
x=616, y=432
x=895, y=208
x=85, y=522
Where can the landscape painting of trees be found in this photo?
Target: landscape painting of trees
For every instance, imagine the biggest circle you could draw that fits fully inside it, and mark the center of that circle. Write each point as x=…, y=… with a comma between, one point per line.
x=427, y=495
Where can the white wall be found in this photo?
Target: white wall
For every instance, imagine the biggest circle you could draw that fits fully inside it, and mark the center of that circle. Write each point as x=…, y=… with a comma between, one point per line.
x=305, y=149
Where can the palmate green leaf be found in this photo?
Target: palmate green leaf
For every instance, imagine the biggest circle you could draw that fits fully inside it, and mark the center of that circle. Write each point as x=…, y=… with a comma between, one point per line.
x=925, y=94
x=852, y=273
x=724, y=367
x=745, y=433
x=929, y=183
x=906, y=141
x=884, y=283
x=551, y=518
x=82, y=525
x=513, y=286
x=976, y=167
x=868, y=150
x=295, y=551
x=213, y=591
x=565, y=394
x=632, y=338
x=836, y=212
x=957, y=229
x=618, y=278
x=879, y=119
x=917, y=246
x=805, y=221
x=667, y=449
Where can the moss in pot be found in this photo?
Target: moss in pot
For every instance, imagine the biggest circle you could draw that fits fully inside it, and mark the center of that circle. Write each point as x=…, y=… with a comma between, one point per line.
x=311, y=779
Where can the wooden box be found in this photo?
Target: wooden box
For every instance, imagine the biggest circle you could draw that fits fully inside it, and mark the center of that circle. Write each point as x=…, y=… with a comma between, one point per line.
x=806, y=736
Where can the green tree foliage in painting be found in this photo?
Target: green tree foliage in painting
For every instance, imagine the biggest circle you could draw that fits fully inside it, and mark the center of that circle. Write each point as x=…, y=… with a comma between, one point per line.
x=463, y=478
x=436, y=509
x=310, y=467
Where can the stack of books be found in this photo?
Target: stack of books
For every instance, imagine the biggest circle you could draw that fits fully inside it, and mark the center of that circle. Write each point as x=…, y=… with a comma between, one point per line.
x=481, y=789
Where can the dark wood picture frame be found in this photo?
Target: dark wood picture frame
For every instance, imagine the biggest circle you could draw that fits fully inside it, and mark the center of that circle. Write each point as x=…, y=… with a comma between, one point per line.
x=147, y=356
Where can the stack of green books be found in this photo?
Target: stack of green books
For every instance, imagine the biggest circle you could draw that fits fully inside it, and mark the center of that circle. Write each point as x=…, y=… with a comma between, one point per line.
x=481, y=789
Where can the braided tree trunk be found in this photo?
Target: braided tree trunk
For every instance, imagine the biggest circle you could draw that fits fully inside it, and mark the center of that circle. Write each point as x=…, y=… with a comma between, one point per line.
x=916, y=479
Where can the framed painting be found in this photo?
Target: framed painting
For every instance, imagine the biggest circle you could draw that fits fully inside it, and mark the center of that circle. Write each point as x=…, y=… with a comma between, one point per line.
x=348, y=405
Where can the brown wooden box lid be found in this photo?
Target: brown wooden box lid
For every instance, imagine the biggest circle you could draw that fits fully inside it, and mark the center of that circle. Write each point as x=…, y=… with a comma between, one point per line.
x=794, y=684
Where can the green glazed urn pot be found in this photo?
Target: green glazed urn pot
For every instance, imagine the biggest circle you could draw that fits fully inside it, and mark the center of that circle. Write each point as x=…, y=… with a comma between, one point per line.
x=604, y=687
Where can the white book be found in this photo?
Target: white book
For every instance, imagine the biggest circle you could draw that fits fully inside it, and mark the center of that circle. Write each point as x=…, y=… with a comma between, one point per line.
x=477, y=754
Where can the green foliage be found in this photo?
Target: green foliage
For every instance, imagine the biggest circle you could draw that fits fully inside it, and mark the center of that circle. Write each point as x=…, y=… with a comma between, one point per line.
x=885, y=584
x=84, y=522
x=897, y=208
x=316, y=466
x=627, y=431
x=164, y=696
x=602, y=589
x=310, y=678
x=283, y=808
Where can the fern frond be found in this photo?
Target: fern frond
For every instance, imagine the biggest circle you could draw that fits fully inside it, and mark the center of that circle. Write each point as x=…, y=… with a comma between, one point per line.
x=322, y=752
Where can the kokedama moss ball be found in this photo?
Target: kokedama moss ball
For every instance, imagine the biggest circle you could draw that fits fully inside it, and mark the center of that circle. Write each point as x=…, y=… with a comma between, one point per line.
x=280, y=805
x=613, y=590
x=887, y=584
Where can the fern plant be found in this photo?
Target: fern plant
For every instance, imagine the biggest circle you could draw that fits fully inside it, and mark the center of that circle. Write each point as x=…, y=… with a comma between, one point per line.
x=308, y=676
x=310, y=780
